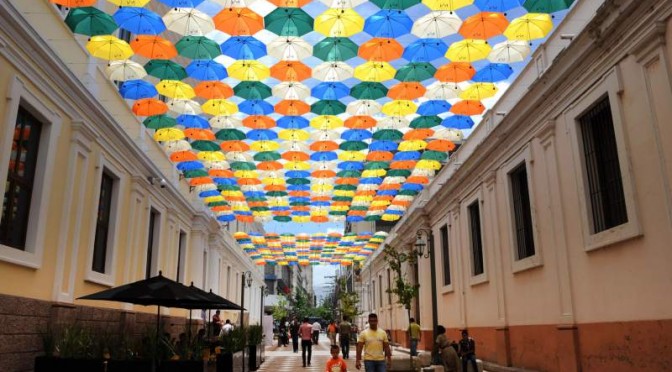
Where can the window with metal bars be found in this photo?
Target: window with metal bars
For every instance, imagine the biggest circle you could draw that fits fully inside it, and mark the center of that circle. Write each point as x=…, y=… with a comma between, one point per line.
x=445, y=253
x=20, y=180
x=181, y=246
x=103, y=223
x=153, y=229
x=600, y=155
x=522, y=212
x=476, y=239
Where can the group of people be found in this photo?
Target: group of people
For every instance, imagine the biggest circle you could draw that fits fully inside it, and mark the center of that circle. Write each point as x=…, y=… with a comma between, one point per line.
x=220, y=327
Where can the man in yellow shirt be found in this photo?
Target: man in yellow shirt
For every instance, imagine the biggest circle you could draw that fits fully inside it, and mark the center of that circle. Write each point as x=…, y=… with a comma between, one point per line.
x=376, y=347
x=415, y=333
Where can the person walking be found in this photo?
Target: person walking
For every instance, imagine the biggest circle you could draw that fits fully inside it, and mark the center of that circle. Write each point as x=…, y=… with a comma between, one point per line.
x=336, y=363
x=415, y=333
x=294, y=332
x=345, y=330
x=467, y=350
x=317, y=327
x=446, y=350
x=376, y=347
x=331, y=332
x=306, y=332
x=217, y=323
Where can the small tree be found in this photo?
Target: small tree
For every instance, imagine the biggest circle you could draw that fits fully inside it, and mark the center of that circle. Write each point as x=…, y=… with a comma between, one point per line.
x=347, y=301
x=300, y=304
x=280, y=309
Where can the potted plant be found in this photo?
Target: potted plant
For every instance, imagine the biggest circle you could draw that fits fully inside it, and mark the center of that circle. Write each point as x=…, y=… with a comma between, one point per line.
x=229, y=344
x=255, y=334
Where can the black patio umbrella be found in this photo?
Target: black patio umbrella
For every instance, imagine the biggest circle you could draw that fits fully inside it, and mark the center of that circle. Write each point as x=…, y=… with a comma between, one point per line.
x=214, y=301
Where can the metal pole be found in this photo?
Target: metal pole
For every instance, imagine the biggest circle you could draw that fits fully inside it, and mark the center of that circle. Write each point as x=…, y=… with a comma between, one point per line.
x=432, y=273
x=242, y=304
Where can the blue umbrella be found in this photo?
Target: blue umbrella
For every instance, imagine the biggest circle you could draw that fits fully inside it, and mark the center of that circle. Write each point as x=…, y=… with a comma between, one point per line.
x=390, y=23
x=205, y=194
x=351, y=165
x=244, y=47
x=296, y=199
x=254, y=194
x=492, y=73
x=354, y=218
x=297, y=174
x=298, y=187
x=356, y=134
x=224, y=181
x=394, y=211
x=193, y=121
x=226, y=218
x=278, y=209
x=262, y=135
x=293, y=122
x=383, y=146
x=458, y=122
x=425, y=50
x=139, y=20
x=387, y=192
x=496, y=5
x=137, y=89
x=433, y=107
x=182, y=3
x=189, y=165
x=320, y=204
x=255, y=107
x=412, y=186
x=406, y=155
x=323, y=156
x=206, y=69
x=330, y=90
x=371, y=180
x=300, y=213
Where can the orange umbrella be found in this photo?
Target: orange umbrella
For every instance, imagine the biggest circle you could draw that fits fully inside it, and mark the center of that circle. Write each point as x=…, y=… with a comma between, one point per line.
x=289, y=3
x=468, y=107
x=484, y=25
x=356, y=213
x=347, y=181
x=149, y=107
x=319, y=219
x=418, y=134
x=220, y=173
x=233, y=198
x=282, y=213
x=259, y=122
x=403, y=203
x=360, y=122
x=441, y=145
x=378, y=207
x=269, y=165
x=320, y=198
x=323, y=146
x=238, y=21
x=275, y=188
x=153, y=47
x=292, y=107
x=300, y=194
x=213, y=90
x=200, y=181
x=199, y=134
x=74, y=3
x=295, y=156
x=341, y=204
x=257, y=204
x=379, y=156
x=387, y=197
x=418, y=179
x=402, y=164
x=381, y=49
x=302, y=208
x=408, y=91
x=249, y=181
x=221, y=208
x=323, y=174
x=228, y=146
x=179, y=156
x=455, y=72
x=290, y=71
x=245, y=218
x=365, y=193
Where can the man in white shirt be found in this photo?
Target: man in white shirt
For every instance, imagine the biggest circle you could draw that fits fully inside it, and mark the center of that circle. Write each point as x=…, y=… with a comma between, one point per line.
x=226, y=328
x=316, y=331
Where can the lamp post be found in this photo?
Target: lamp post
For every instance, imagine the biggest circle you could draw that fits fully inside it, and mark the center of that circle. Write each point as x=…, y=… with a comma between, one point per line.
x=420, y=245
x=246, y=280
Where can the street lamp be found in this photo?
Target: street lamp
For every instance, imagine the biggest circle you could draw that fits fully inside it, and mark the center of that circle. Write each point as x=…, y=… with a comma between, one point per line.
x=419, y=248
x=420, y=244
x=246, y=281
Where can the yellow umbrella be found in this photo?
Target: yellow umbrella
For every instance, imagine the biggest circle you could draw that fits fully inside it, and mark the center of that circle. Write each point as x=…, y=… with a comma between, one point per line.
x=175, y=89
x=428, y=164
x=109, y=47
x=479, y=91
x=326, y=122
x=246, y=174
x=363, y=198
x=378, y=203
x=211, y=156
x=374, y=71
x=321, y=188
x=390, y=217
x=468, y=50
x=450, y=5
x=301, y=219
x=275, y=181
x=339, y=22
x=219, y=106
x=249, y=70
x=293, y=135
x=351, y=156
x=339, y=207
x=168, y=134
x=278, y=202
x=374, y=173
x=297, y=165
x=134, y=3
x=265, y=146
x=399, y=108
x=344, y=193
x=413, y=145
x=529, y=27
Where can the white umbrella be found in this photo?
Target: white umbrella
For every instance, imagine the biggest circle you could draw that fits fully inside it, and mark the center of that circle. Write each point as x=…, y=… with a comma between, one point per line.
x=205, y=187
x=450, y=134
x=333, y=71
x=294, y=146
x=368, y=186
x=185, y=106
x=509, y=51
x=396, y=208
x=289, y=48
x=125, y=70
x=234, y=3
x=219, y=164
x=440, y=90
x=291, y=90
x=404, y=197
x=364, y=107
x=188, y=22
x=375, y=212
x=324, y=165
x=238, y=156
x=394, y=180
x=436, y=24
x=224, y=121
x=392, y=122
x=343, y=3
x=324, y=135
x=180, y=145
x=272, y=174
x=423, y=172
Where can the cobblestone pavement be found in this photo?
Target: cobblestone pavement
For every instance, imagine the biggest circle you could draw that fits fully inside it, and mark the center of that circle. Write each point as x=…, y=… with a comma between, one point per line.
x=280, y=359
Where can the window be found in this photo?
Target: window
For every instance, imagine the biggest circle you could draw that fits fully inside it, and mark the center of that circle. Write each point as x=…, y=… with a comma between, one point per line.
x=445, y=254
x=389, y=287
x=373, y=295
x=228, y=282
x=476, y=238
x=205, y=269
x=607, y=207
x=103, y=224
x=20, y=180
x=152, y=241
x=181, y=247
x=380, y=290
x=522, y=212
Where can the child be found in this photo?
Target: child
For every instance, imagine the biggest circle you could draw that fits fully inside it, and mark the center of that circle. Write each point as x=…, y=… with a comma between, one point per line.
x=336, y=363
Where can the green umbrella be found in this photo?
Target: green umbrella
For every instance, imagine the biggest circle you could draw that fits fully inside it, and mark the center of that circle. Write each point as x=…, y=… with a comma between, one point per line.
x=335, y=49
x=289, y=22
x=90, y=21
x=276, y=193
x=338, y=213
x=252, y=90
x=230, y=134
x=373, y=217
x=165, y=69
x=388, y=135
x=298, y=181
x=408, y=192
x=280, y=219
x=376, y=165
x=546, y=6
x=368, y=90
x=359, y=208
x=217, y=204
x=257, y=199
x=353, y=146
x=227, y=187
x=203, y=145
x=195, y=173
x=434, y=155
x=299, y=204
x=328, y=107
x=425, y=122
x=345, y=187
x=243, y=165
x=398, y=173
x=198, y=47
x=415, y=71
x=159, y=121
x=266, y=156
x=348, y=173
x=257, y=209
x=395, y=4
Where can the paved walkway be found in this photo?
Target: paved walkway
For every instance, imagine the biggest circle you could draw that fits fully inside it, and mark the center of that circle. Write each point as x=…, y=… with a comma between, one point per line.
x=280, y=359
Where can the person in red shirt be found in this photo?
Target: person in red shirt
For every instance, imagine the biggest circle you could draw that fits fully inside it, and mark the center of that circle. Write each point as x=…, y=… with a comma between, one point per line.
x=336, y=363
x=306, y=333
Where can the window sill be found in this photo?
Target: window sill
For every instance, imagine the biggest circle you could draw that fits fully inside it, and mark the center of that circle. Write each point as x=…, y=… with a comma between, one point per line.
x=527, y=263
x=19, y=257
x=99, y=278
x=612, y=236
x=446, y=289
x=478, y=280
